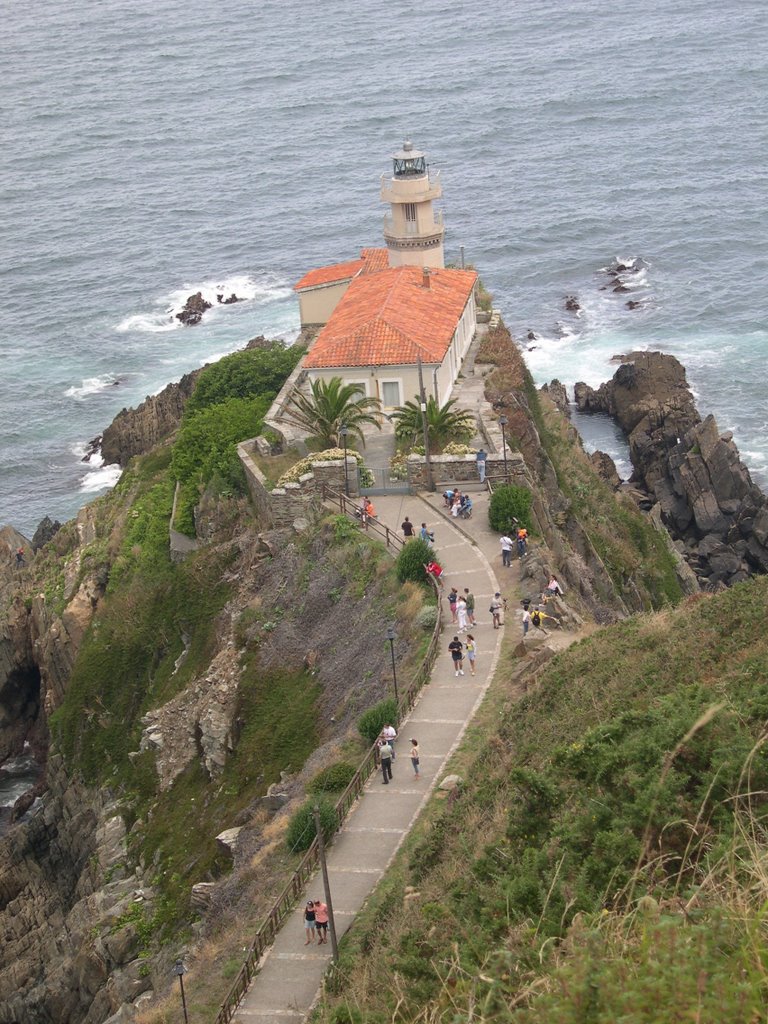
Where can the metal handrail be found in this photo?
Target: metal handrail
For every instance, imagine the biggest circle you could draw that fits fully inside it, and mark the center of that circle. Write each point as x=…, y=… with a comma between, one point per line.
x=285, y=902
x=348, y=507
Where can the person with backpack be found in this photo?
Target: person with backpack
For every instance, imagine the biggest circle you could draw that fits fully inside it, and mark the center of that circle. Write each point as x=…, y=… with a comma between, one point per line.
x=537, y=620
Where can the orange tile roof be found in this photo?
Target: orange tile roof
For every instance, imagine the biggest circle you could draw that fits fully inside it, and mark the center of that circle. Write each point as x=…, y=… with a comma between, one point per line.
x=370, y=261
x=390, y=318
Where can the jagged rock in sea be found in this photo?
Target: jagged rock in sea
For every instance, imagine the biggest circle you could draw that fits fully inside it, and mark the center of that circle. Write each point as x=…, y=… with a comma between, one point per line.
x=559, y=395
x=704, y=491
x=47, y=528
x=193, y=310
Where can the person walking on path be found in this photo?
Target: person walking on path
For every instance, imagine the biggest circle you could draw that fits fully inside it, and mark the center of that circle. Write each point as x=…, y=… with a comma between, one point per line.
x=456, y=647
x=481, y=457
x=506, y=550
x=426, y=535
x=470, y=601
x=471, y=652
x=390, y=735
x=522, y=541
x=461, y=613
x=321, y=922
x=407, y=527
x=415, y=757
x=385, y=756
x=496, y=605
x=309, y=922
x=453, y=597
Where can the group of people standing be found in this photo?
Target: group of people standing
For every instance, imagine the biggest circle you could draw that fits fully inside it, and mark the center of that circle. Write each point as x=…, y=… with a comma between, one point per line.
x=508, y=545
x=386, y=753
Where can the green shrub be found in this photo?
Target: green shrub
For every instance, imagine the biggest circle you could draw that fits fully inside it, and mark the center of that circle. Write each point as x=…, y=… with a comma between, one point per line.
x=372, y=721
x=426, y=617
x=334, y=777
x=301, y=828
x=412, y=559
x=254, y=372
x=206, y=447
x=510, y=507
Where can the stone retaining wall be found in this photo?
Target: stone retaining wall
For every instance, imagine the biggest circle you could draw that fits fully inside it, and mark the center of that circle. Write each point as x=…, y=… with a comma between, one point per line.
x=463, y=468
x=282, y=505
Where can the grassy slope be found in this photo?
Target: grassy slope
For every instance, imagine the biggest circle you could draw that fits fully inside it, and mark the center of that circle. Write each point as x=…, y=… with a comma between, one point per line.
x=598, y=865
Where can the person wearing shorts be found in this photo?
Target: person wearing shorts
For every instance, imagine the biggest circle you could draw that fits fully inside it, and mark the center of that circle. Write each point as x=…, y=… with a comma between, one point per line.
x=309, y=922
x=321, y=921
x=456, y=647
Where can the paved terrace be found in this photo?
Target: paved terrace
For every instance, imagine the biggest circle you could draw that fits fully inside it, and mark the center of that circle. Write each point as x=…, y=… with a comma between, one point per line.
x=290, y=978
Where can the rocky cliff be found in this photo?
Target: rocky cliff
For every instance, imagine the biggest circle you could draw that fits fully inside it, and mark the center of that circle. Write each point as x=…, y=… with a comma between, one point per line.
x=705, y=494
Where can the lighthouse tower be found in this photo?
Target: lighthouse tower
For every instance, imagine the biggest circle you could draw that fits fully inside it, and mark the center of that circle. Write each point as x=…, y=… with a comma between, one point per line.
x=413, y=230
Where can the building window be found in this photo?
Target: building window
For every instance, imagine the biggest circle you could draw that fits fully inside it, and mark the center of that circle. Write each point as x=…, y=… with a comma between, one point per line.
x=390, y=393
x=410, y=212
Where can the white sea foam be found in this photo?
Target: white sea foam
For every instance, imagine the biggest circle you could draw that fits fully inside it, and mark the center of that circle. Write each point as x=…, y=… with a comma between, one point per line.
x=100, y=478
x=250, y=290
x=91, y=386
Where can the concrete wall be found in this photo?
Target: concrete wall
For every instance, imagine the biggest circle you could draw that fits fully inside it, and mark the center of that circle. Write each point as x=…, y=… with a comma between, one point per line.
x=317, y=304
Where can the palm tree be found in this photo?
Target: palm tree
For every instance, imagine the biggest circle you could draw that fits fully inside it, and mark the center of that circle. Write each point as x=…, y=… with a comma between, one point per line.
x=443, y=425
x=329, y=404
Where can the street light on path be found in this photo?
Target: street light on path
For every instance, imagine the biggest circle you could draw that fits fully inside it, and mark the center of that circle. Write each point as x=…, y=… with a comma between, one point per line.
x=503, y=421
x=344, y=430
x=391, y=638
x=180, y=970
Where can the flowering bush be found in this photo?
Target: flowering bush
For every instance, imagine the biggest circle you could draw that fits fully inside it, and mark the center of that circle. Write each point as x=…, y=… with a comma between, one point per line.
x=454, y=448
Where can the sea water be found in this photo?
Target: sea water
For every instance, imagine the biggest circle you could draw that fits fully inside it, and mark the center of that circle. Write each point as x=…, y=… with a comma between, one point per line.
x=154, y=149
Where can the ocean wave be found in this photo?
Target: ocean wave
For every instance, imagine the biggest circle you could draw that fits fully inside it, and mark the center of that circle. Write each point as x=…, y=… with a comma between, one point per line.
x=91, y=386
x=100, y=478
x=251, y=290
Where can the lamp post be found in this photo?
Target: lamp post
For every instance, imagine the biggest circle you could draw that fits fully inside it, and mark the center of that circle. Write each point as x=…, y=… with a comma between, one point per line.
x=344, y=430
x=503, y=421
x=180, y=970
x=391, y=638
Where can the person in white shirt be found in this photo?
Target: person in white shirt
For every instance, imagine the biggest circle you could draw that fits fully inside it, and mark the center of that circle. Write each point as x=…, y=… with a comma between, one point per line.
x=390, y=735
x=506, y=549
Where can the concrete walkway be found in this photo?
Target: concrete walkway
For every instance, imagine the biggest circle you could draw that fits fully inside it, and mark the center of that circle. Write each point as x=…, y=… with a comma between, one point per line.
x=291, y=974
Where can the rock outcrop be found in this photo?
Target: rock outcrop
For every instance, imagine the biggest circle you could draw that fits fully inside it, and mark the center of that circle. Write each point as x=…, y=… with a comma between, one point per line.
x=705, y=494
x=193, y=310
x=46, y=530
x=135, y=431
x=64, y=885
